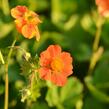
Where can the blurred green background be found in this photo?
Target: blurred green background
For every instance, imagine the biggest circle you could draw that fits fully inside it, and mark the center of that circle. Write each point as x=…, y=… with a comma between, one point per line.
x=72, y=25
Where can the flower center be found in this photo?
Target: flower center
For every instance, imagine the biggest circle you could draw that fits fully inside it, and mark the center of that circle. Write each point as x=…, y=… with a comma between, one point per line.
x=57, y=65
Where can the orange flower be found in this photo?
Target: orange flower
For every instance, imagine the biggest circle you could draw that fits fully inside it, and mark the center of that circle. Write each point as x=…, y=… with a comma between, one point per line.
x=26, y=22
x=18, y=11
x=103, y=7
x=56, y=65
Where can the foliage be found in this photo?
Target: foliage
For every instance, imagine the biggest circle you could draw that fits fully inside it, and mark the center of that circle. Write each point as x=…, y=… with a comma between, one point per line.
x=72, y=24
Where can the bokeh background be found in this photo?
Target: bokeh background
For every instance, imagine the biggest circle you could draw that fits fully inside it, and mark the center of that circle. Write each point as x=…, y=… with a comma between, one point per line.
x=72, y=25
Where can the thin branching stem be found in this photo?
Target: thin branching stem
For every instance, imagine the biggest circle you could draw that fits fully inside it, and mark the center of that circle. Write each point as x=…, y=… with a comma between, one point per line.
x=95, y=45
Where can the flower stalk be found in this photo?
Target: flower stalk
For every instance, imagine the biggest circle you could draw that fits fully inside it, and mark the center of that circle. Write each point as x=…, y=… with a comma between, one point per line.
x=6, y=76
x=97, y=51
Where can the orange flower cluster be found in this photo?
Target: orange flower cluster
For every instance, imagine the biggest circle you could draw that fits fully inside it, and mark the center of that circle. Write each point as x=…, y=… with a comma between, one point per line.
x=56, y=65
x=103, y=7
x=26, y=22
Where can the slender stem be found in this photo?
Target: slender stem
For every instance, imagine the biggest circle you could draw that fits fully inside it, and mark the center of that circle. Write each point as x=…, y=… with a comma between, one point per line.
x=11, y=49
x=95, y=45
x=1, y=58
x=6, y=87
x=98, y=34
x=6, y=76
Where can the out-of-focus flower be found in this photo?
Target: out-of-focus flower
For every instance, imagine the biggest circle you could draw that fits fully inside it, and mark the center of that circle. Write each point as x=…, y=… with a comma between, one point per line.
x=103, y=7
x=56, y=65
x=26, y=22
x=18, y=11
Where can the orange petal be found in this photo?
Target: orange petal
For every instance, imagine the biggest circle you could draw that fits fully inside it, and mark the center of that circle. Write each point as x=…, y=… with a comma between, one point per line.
x=18, y=11
x=67, y=61
x=35, y=20
x=28, y=31
x=45, y=73
x=37, y=33
x=66, y=57
x=103, y=7
x=32, y=18
x=20, y=22
x=98, y=1
x=54, y=50
x=68, y=70
x=45, y=58
x=58, y=79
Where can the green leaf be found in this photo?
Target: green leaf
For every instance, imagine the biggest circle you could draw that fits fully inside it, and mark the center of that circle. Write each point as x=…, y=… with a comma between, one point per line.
x=5, y=7
x=101, y=73
x=67, y=96
x=52, y=96
x=71, y=92
x=34, y=89
x=39, y=105
x=26, y=68
x=88, y=24
x=2, y=89
x=39, y=5
x=91, y=103
x=96, y=92
x=5, y=29
x=14, y=71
